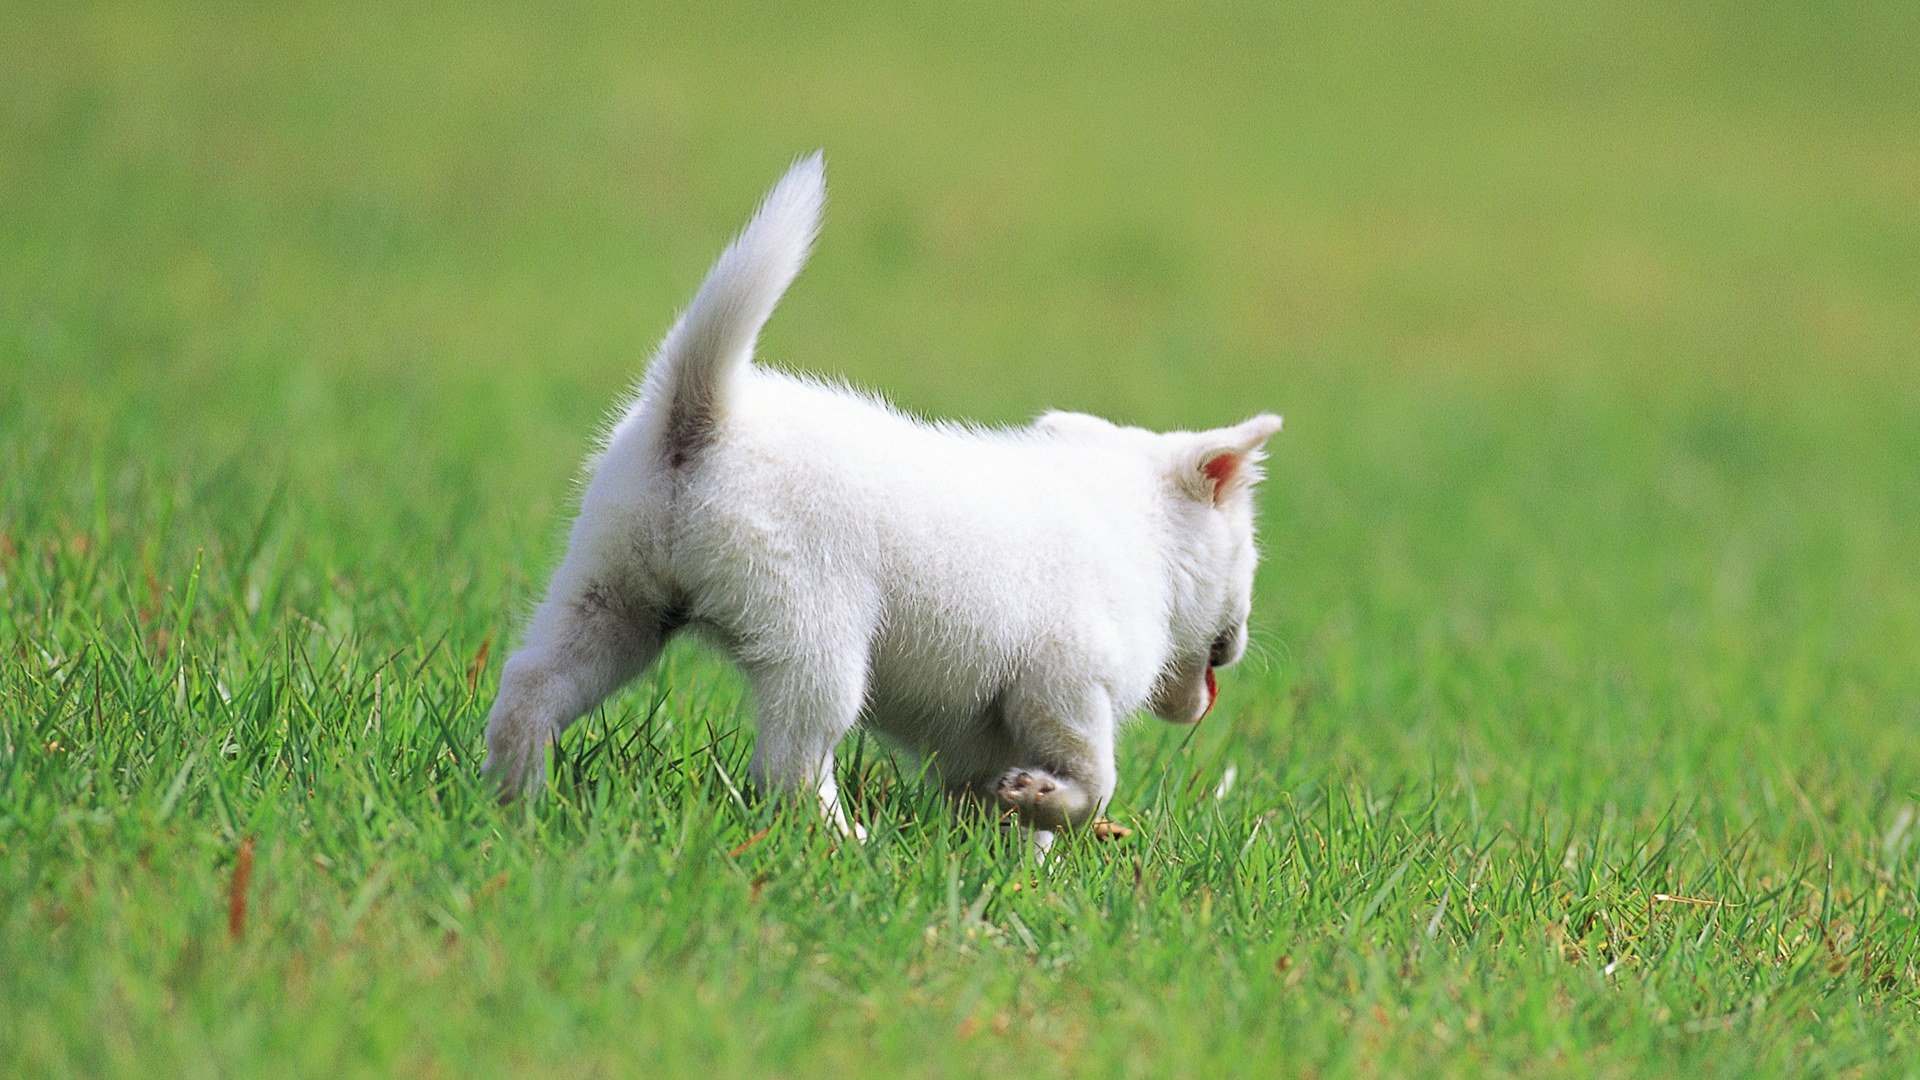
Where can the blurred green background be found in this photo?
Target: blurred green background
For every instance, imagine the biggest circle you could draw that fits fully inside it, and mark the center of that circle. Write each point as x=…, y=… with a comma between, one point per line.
x=1596, y=327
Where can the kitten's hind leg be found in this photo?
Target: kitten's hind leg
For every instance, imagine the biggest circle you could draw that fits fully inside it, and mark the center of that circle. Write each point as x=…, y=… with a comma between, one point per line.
x=583, y=645
x=806, y=704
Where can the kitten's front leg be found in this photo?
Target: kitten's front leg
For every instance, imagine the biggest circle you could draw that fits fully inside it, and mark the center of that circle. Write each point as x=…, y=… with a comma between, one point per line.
x=1045, y=800
x=1073, y=733
x=1042, y=840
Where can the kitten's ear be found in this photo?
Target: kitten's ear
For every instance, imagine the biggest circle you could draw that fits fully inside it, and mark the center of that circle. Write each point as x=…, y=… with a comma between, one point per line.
x=1226, y=461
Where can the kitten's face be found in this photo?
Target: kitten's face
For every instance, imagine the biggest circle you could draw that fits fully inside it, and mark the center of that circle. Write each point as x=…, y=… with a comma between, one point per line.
x=1214, y=634
x=1211, y=476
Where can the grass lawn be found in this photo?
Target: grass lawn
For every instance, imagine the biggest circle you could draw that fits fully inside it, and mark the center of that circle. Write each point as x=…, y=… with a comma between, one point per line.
x=1582, y=731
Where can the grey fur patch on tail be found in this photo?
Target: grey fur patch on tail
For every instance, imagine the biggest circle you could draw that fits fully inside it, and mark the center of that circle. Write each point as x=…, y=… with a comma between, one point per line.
x=714, y=338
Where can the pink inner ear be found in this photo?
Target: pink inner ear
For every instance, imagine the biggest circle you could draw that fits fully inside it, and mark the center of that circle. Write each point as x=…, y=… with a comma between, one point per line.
x=1220, y=469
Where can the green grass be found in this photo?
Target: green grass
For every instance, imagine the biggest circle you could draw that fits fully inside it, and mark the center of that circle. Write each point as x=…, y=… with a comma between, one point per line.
x=1590, y=586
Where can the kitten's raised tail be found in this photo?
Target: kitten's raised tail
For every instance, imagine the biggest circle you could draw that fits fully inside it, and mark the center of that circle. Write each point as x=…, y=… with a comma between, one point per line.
x=714, y=337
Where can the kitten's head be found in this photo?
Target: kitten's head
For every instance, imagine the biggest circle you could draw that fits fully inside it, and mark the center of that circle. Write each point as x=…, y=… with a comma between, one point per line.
x=1207, y=542
x=1211, y=556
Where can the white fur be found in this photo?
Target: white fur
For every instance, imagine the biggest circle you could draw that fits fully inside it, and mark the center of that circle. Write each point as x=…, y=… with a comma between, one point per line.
x=998, y=600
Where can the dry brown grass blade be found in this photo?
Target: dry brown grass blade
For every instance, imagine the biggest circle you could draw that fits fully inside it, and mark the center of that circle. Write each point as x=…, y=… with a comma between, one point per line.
x=479, y=662
x=237, y=895
x=750, y=841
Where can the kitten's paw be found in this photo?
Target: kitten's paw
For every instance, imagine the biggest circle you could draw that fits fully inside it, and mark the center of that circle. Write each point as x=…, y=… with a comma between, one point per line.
x=847, y=827
x=515, y=765
x=1043, y=800
x=1024, y=789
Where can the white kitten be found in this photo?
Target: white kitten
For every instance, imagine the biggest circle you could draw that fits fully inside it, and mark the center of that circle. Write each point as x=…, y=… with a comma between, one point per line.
x=995, y=600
